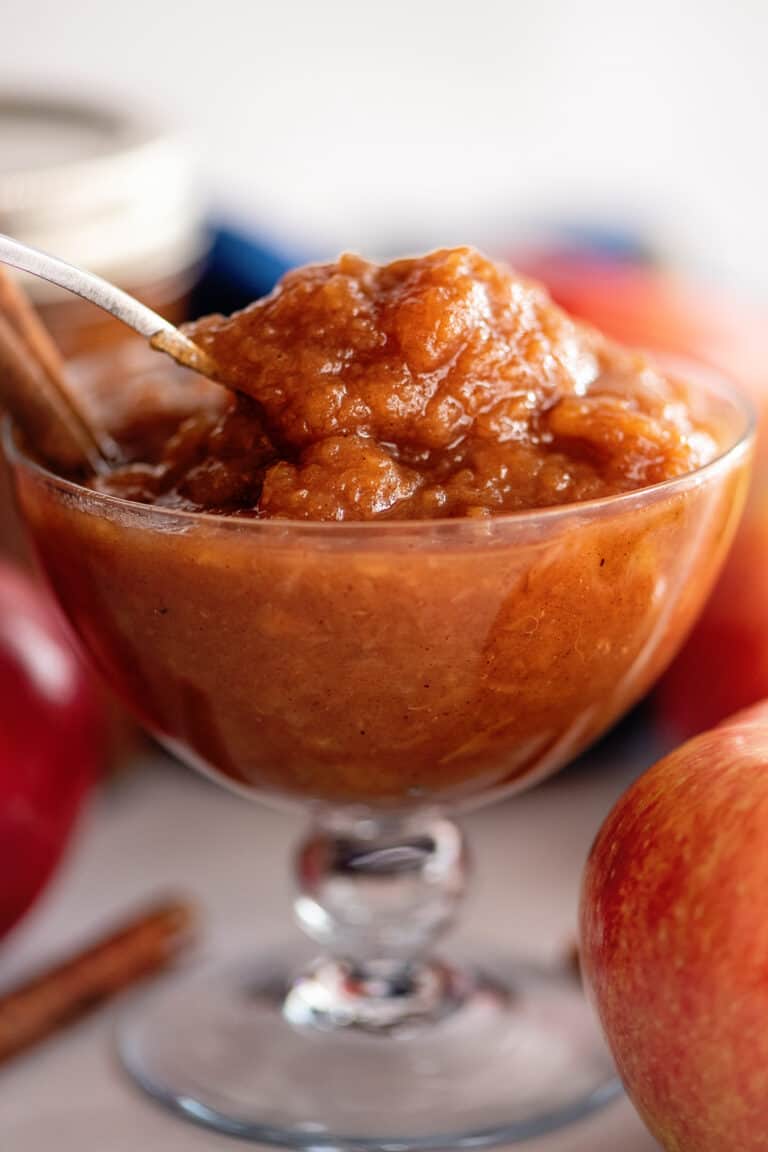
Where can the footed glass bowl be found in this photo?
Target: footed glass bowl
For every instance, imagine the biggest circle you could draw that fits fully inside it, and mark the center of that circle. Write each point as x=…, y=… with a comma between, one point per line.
x=383, y=676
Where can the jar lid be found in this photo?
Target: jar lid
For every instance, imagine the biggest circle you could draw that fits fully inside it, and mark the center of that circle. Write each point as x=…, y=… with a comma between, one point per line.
x=102, y=189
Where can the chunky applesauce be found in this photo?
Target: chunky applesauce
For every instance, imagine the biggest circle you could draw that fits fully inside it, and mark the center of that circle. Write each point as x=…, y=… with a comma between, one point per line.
x=440, y=386
x=365, y=624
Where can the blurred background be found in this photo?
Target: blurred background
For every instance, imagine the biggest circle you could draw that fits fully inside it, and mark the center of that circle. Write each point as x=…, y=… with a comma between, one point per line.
x=376, y=126
x=194, y=152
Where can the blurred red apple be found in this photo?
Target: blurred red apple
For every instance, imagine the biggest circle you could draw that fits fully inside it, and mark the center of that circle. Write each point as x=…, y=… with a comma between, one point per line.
x=674, y=946
x=52, y=740
x=724, y=665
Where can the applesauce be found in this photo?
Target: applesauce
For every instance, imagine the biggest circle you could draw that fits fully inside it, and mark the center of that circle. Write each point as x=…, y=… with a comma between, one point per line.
x=434, y=387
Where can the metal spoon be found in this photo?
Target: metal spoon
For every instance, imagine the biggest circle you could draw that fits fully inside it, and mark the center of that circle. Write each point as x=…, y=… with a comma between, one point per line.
x=160, y=333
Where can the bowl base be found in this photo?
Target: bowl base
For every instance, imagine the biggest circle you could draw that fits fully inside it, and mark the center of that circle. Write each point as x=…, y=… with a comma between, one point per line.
x=519, y=1057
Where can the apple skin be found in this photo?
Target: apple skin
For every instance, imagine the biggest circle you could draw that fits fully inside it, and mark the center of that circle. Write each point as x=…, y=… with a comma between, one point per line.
x=724, y=663
x=674, y=943
x=52, y=740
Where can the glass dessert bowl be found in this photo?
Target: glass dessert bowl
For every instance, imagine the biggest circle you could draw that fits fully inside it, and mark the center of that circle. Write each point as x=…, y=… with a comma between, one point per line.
x=314, y=645
x=382, y=675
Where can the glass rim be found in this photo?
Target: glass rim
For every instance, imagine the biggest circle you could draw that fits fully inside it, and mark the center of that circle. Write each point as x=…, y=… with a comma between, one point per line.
x=618, y=502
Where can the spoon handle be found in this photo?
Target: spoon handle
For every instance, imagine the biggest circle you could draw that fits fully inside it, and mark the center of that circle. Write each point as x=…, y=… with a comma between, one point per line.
x=82, y=283
x=107, y=296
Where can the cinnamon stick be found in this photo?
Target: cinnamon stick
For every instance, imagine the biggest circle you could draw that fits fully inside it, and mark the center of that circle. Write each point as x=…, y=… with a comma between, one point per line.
x=144, y=945
x=34, y=390
x=573, y=960
x=20, y=313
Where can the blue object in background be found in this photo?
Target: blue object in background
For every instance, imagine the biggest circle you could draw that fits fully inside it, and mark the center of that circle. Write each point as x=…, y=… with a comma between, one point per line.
x=611, y=244
x=241, y=266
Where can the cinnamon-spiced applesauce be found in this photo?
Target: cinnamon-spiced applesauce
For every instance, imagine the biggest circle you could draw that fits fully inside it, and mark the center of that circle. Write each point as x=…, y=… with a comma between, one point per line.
x=443, y=555
x=431, y=387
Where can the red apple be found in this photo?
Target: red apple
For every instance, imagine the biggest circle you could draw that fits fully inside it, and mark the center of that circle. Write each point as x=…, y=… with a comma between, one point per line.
x=52, y=740
x=647, y=306
x=674, y=943
x=724, y=665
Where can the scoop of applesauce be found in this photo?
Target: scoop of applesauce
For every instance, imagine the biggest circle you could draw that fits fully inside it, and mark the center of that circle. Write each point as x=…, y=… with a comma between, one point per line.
x=440, y=386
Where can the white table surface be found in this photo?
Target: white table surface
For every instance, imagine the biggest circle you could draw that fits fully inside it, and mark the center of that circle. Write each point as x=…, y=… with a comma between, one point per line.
x=159, y=828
